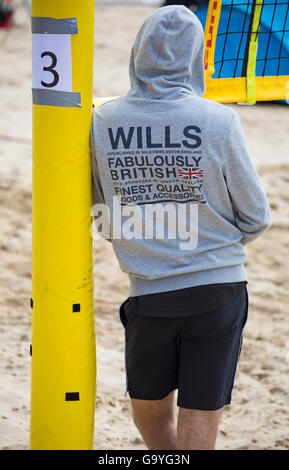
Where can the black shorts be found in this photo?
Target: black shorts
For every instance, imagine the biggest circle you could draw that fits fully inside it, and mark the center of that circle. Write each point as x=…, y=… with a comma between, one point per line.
x=197, y=355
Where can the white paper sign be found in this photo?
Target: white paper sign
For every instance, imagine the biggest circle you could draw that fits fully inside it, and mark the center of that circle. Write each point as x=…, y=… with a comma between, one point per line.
x=51, y=62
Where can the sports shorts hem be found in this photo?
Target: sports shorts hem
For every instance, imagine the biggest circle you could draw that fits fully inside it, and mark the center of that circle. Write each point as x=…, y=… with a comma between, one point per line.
x=156, y=397
x=203, y=407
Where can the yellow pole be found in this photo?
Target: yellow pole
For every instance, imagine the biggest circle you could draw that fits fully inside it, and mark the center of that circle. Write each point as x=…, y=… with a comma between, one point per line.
x=63, y=338
x=210, y=36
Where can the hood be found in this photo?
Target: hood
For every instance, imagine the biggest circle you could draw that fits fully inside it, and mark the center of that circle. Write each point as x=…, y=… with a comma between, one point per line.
x=167, y=58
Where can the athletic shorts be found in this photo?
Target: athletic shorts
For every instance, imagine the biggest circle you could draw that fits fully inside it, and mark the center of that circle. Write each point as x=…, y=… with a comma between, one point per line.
x=198, y=355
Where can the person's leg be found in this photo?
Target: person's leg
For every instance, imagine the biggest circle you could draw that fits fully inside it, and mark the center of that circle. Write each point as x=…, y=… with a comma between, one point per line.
x=152, y=375
x=197, y=429
x=210, y=346
x=156, y=422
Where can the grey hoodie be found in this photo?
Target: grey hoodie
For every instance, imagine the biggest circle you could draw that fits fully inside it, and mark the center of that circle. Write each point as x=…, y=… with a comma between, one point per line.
x=164, y=144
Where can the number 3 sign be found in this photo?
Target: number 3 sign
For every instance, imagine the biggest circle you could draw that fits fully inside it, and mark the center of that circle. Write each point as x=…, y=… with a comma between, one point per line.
x=51, y=61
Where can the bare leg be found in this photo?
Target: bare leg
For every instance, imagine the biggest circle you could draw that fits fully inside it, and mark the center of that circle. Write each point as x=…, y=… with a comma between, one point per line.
x=155, y=422
x=197, y=429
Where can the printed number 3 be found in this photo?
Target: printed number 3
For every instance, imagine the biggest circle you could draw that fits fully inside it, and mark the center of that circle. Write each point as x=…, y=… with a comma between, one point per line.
x=50, y=69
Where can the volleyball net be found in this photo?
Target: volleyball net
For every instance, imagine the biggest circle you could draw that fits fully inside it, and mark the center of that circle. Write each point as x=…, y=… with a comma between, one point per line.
x=246, y=49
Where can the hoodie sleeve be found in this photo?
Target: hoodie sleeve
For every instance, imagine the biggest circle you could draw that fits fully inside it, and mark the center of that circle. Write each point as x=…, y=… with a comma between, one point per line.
x=249, y=201
x=97, y=192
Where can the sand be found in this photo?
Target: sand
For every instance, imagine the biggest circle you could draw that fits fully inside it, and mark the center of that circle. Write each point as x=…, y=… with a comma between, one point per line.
x=259, y=415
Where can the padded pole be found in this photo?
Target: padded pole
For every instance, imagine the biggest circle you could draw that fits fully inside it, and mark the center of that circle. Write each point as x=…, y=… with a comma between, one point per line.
x=210, y=35
x=63, y=338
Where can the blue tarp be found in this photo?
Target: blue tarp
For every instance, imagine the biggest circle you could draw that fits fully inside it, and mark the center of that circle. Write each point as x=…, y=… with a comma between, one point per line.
x=273, y=40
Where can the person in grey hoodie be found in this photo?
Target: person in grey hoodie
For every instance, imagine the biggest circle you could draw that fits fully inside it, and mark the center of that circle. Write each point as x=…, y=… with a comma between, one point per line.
x=182, y=199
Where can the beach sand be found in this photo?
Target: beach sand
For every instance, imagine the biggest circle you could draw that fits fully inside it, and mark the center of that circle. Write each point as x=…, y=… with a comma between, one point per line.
x=259, y=415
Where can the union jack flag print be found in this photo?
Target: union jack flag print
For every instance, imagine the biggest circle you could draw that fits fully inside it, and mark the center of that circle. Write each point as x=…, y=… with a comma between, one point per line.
x=198, y=173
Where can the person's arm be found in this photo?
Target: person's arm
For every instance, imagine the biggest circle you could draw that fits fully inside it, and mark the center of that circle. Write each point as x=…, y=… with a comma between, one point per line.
x=97, y=192
x=98, y=201
x=249, y=201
